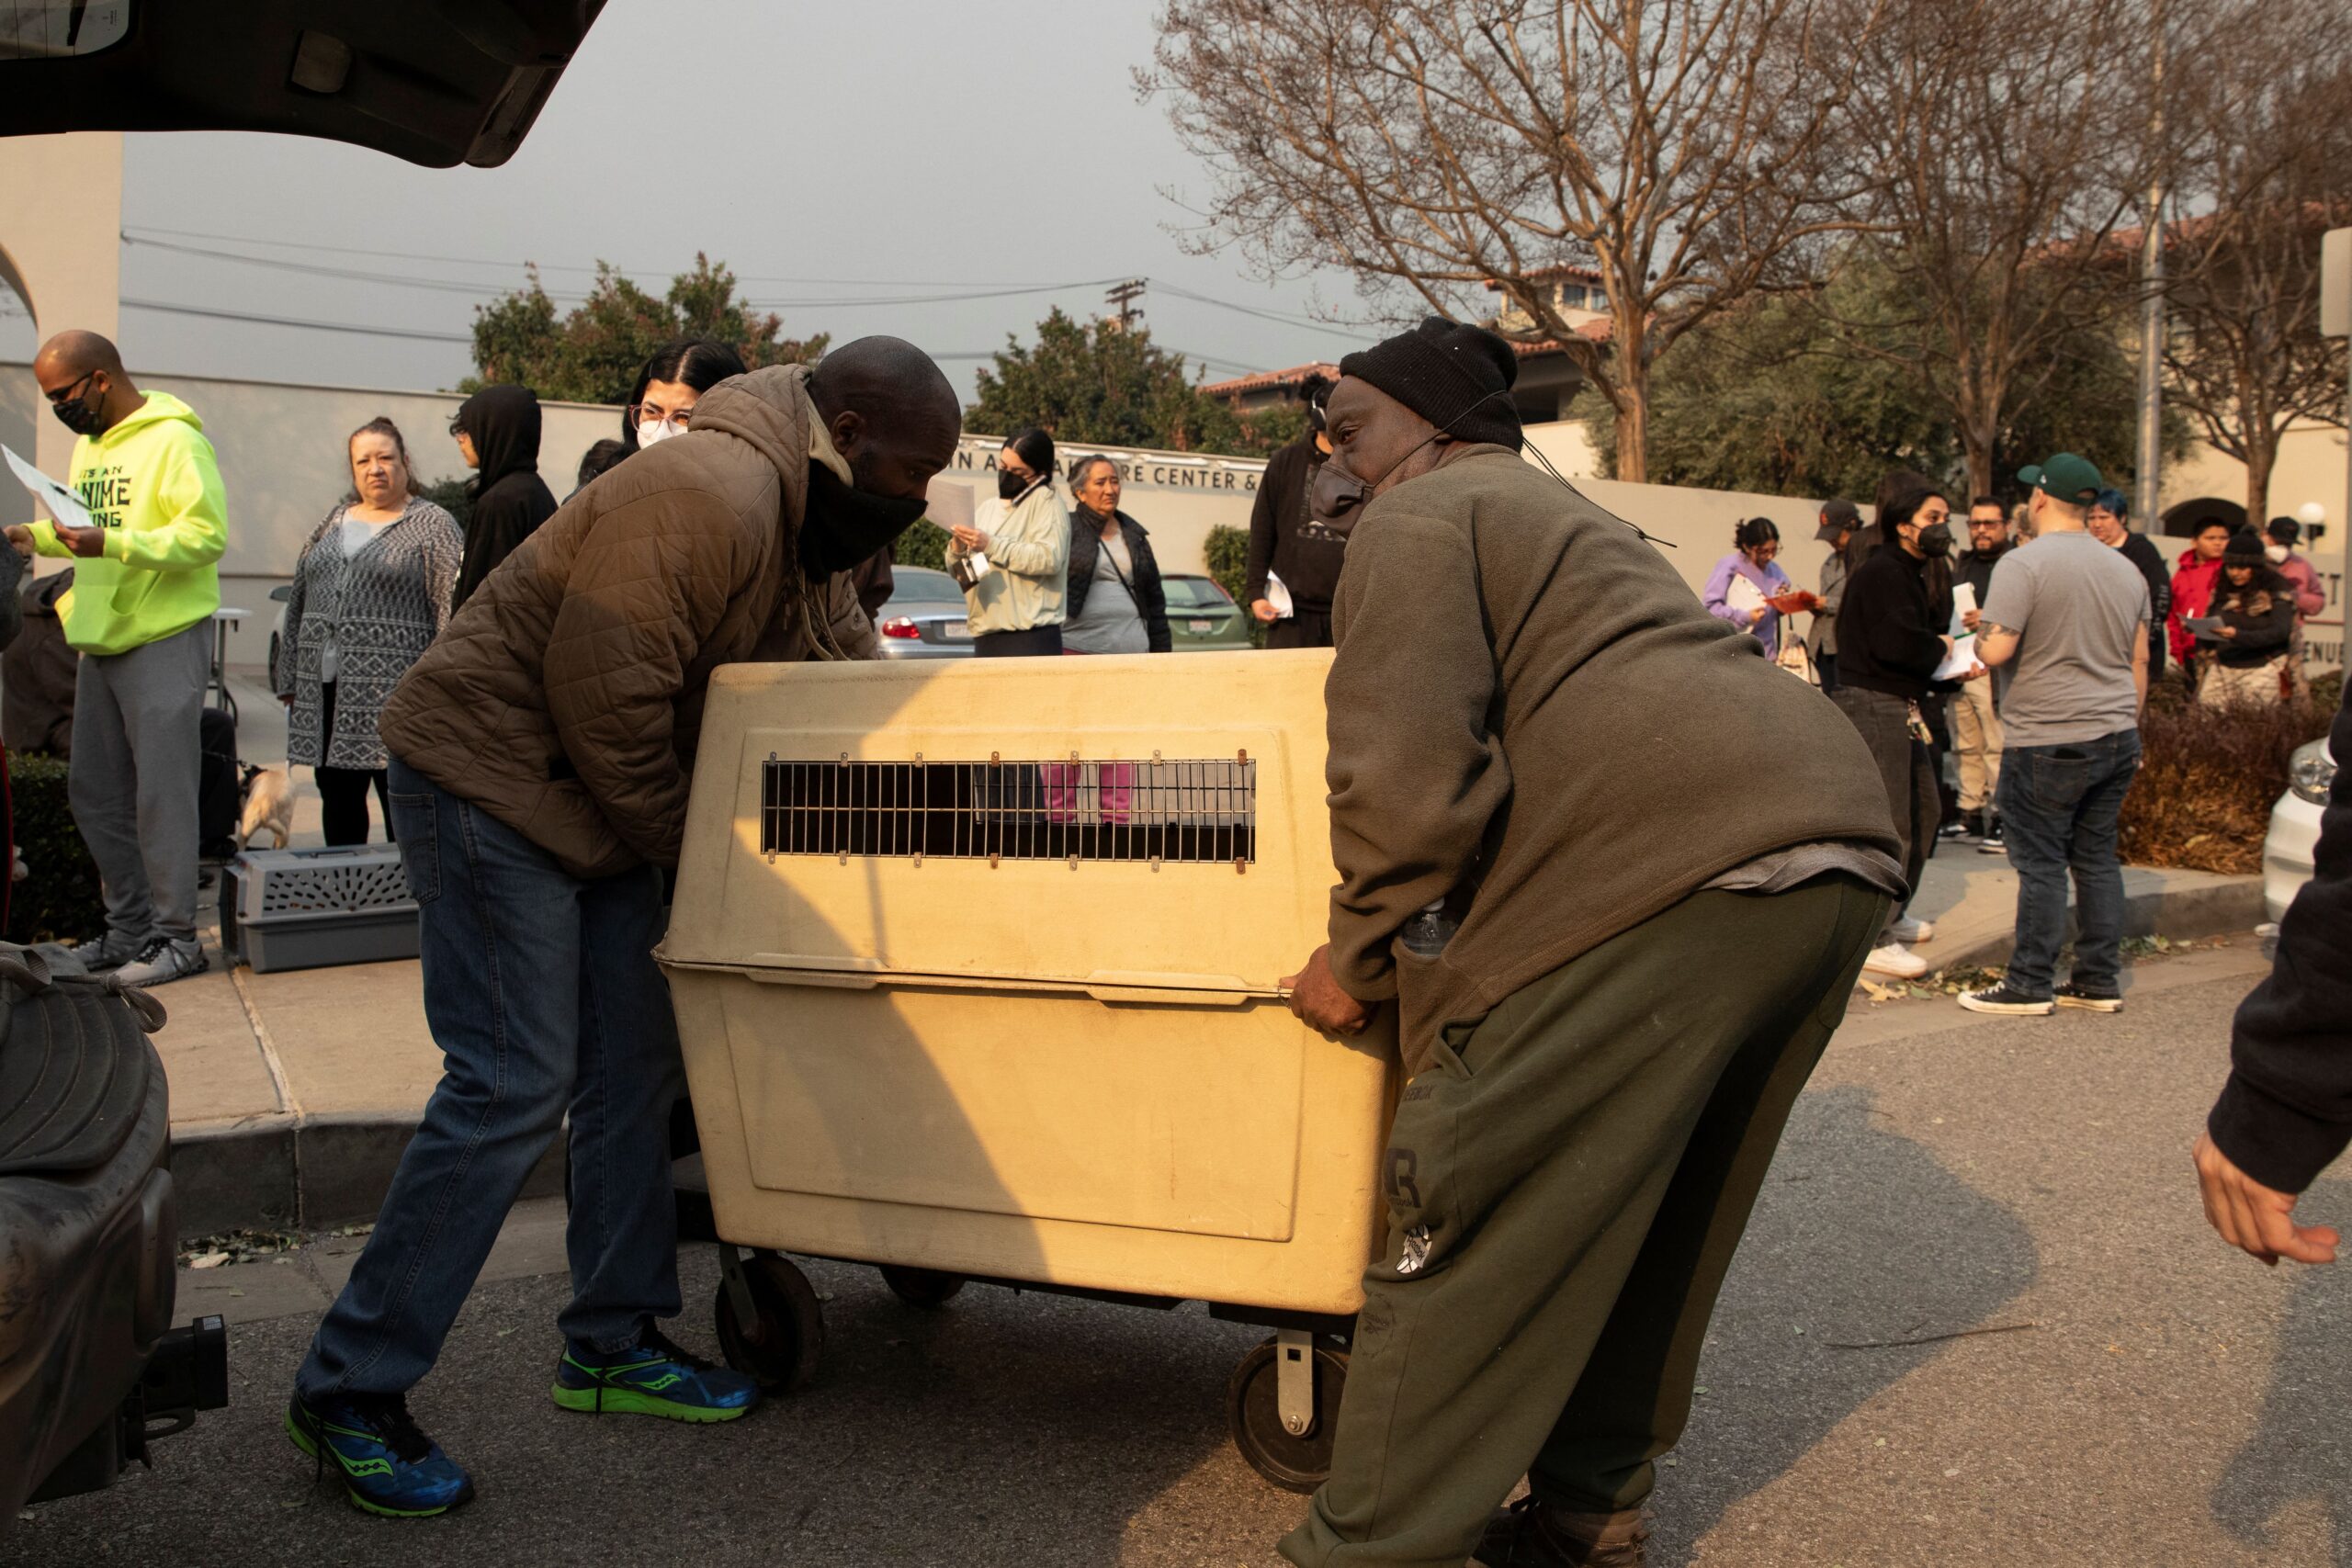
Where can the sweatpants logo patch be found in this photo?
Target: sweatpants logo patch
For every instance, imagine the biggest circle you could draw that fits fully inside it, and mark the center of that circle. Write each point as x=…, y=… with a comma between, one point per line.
x=1416, y=1250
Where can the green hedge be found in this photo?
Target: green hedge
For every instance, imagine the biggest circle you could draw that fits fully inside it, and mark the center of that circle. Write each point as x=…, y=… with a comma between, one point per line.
x=60, y=901
x=1228, y=549
x=925, y=543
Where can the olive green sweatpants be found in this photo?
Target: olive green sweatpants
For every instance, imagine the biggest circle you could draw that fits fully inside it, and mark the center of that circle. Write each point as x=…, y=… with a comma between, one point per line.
x=1567, y=1186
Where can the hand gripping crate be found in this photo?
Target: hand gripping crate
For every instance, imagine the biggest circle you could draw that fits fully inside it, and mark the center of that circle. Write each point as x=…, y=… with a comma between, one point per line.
x=976, y=969
x=308, y=908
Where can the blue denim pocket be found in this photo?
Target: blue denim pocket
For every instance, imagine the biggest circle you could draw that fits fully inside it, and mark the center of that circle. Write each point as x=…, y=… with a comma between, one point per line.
x=415, y=816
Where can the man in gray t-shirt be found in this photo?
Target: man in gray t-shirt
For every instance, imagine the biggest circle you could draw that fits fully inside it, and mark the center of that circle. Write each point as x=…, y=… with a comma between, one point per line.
x=2069, y=616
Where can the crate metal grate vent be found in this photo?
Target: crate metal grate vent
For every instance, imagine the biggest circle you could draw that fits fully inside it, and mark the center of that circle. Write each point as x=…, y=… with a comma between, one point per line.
x=1183, y=810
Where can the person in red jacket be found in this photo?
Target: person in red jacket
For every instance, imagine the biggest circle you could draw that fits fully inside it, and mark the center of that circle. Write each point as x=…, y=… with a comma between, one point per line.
x=2192, y=585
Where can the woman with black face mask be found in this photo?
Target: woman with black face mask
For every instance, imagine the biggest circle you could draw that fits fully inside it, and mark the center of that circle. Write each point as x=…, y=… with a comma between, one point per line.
x=1891, y=638
x=1013, y=559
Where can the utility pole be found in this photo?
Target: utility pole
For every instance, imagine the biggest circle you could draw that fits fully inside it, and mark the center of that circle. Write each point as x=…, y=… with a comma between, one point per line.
x=1124, y=296
x=2152, y=298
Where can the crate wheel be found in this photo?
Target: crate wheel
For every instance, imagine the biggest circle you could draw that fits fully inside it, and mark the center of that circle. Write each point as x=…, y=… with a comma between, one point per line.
x=1296, y=1463
x=781, y=1344
x=925, y=1288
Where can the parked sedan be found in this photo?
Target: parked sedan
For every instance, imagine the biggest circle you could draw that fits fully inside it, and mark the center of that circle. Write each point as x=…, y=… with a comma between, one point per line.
x=925, y=617
x=1202, y=616
x=2287, y=848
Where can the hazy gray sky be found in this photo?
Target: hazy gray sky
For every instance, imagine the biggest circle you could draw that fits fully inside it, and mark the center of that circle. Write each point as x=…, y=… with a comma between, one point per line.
x=828, y=153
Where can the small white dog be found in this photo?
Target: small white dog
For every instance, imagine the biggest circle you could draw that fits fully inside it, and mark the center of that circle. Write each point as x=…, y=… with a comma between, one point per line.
x=269, y=803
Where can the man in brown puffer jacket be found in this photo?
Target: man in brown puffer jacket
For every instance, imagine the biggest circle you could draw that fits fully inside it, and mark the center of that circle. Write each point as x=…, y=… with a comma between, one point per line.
x=540, y=755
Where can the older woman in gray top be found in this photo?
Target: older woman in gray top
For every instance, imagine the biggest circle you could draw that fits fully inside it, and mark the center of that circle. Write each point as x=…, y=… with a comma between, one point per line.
x=1114, y=602
x=371, y=592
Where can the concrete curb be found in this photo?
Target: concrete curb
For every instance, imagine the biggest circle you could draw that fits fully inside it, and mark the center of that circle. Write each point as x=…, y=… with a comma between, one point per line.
x=309, y=1172
x=2218, y=909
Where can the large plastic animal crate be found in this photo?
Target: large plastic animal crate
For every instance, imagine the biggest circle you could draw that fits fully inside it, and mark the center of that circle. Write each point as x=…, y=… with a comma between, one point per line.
x=309, y=908
x=977, y=970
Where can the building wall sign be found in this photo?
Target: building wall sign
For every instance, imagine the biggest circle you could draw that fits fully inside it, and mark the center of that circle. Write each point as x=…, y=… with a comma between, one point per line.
x=1138, y=470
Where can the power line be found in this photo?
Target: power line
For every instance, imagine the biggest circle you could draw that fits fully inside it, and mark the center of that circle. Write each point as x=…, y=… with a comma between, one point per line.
x=422, y=336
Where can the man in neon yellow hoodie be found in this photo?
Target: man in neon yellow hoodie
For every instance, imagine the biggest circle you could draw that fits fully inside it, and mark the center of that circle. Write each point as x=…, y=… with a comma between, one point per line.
x=141, y=616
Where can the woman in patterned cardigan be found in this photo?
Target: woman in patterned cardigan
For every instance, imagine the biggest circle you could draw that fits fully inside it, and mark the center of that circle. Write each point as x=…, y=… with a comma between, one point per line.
x=371, y=592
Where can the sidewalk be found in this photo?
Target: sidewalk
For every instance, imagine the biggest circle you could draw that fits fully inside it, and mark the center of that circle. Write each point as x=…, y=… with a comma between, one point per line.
x=293, y=1094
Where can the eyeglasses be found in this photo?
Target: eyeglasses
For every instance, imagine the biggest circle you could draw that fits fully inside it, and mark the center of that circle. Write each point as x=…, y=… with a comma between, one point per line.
x=638, y=413
x=63, y=395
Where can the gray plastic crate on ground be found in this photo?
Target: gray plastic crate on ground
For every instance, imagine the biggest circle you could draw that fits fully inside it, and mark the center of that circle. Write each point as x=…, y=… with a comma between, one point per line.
x=309, y=908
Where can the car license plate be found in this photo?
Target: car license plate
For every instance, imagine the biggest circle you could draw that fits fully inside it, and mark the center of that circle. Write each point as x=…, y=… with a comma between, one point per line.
x=956, y=630
x=1197, y=627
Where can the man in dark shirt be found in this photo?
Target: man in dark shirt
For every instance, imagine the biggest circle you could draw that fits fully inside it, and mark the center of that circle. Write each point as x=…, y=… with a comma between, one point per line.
x=1288, y=543
x=2285, y=1111
x=1975, y=723
x=2109, y=524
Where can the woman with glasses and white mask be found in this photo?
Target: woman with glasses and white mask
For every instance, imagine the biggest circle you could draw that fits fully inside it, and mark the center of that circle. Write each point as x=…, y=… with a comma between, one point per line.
x=1012, y=559
x=662, y=404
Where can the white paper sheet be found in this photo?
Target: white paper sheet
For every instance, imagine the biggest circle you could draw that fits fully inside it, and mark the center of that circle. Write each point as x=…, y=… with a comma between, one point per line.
x=62, y=503
x=1743, y=595
x=1278, y=595
x=1963, y=598
x=1961, y=660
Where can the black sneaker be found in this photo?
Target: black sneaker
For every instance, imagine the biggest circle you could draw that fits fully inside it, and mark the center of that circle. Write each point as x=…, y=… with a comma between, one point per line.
x=1952, y=827
x=2072, y=996
x=2001, y=998
x=1992, y=843
x=1529, y=1535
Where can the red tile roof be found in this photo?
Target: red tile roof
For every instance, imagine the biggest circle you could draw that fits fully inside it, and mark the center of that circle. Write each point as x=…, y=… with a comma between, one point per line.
x=1264, y=379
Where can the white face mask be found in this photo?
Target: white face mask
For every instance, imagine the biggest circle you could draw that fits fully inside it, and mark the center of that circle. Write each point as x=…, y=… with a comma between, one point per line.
x=2275, y=552
x=652, y=431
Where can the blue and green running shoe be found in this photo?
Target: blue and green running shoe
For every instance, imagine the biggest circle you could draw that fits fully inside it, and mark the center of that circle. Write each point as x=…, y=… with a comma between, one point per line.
x=652, y=1378
x=387, y=1466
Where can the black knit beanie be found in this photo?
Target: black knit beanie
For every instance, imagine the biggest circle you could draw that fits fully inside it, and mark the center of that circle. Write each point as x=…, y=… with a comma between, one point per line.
x=1457, y=376
x=2244, y=549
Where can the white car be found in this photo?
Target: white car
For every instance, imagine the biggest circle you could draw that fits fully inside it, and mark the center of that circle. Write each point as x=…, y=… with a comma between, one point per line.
x=2287, y=848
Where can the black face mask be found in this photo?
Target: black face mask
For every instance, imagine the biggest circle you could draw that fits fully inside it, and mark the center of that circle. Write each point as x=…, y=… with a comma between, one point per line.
x=845, y=526
x=1336, y=497
x=1935, y=540
x=77, y=414
x=1010, y=486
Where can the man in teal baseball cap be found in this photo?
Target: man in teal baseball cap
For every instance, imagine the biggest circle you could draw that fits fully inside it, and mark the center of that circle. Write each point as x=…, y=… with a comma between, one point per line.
x=2070, y=617
x=2066, y=477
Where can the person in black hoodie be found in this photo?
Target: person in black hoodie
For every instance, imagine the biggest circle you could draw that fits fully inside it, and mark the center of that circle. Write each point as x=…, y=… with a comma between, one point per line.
x=2285, y=1111
x=1286, y=541
x=1890, y=640
x=2109, y=522
x=498, y=433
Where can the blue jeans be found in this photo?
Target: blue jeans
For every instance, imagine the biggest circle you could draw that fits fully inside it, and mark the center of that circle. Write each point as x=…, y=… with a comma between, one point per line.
x=542, y=993
x=2059, y=805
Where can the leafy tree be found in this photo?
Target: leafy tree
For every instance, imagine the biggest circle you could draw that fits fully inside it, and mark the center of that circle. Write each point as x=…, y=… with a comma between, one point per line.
x=1098, y=383
x=1771, y=398
x=593, y=354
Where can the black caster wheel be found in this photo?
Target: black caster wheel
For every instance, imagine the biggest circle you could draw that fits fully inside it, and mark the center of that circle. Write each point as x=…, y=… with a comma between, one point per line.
x=1296, y=1462
x=925, y=1288
x=781, y=1344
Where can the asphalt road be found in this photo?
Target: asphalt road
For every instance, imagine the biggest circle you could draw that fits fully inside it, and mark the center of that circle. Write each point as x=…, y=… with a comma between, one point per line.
x=2121, y=1390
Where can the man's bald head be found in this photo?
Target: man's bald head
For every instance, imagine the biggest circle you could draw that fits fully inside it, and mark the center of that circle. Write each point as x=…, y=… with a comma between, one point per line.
x=81, y=370
x=79, y=353
x=891, y=412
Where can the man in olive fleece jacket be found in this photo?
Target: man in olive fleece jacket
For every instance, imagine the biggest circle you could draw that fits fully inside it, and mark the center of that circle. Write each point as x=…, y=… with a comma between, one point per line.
x=1667, y=859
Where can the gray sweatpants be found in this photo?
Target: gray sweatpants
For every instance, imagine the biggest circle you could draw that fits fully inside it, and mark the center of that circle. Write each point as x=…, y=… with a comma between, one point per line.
x=133, y=782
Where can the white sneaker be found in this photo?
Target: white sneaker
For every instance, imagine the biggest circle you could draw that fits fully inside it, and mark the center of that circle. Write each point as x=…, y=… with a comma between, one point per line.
x=1906, y=930
x=109, y=952
x=163, y=961
x=1893, y=958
